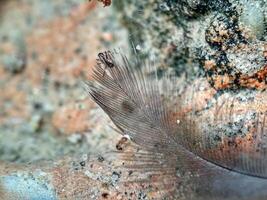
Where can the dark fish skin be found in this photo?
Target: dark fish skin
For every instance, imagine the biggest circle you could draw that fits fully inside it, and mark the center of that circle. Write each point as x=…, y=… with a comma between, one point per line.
x=135, y=103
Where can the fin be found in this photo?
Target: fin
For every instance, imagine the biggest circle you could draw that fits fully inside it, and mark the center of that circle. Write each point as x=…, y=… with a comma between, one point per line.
x=149, y=175
x=132, y=101
x=227, y=131
x=164, y=121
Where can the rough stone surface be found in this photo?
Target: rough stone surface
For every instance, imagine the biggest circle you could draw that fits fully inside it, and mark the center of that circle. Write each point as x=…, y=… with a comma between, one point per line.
x=46, y=52
x=221, y=40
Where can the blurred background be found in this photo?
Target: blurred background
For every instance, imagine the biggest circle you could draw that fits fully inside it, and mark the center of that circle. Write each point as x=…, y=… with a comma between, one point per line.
x=48, y=47
x=46, y=51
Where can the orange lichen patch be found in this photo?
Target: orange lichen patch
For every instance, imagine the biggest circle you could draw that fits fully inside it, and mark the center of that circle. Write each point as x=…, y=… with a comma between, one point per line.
x=257, y=80
x=209, y=64
x=60, y=47
x=222, y=81
x=243, y=67
x=218, y=33
x=73, y=118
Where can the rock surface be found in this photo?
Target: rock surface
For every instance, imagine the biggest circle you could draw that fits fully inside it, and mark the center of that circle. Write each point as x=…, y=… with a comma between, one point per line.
x=46, y=52
x=221, y=40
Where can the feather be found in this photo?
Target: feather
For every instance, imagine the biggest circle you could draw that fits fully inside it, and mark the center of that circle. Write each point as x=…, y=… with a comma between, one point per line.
x=172, y=128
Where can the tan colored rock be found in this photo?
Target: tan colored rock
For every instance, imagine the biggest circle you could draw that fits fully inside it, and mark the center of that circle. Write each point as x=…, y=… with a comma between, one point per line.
x=73, y=117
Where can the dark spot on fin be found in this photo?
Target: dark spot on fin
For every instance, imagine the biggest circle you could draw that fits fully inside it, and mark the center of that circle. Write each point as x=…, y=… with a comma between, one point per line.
x=127, y=107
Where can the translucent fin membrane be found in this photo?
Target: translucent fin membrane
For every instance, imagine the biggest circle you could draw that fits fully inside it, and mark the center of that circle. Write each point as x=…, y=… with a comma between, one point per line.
x=136, y=174
x=163, y=117
x=151, y=175
x=228, y=130
x=132, y=101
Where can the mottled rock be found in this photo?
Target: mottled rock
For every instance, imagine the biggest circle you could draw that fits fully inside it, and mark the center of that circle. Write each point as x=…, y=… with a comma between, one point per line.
x=73, y=118
x=46, y=52
x=189, y=35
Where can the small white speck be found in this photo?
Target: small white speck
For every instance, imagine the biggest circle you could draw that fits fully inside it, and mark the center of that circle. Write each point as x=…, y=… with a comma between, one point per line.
x=127, y=136
x=84, y=157
x=178, y=121
x=74, y=138
x=201, y=88
x=138, y=47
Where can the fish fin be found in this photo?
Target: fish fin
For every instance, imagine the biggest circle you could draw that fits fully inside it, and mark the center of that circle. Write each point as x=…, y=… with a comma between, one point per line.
x=132, y=100
x=143, y=174
x=155, y=117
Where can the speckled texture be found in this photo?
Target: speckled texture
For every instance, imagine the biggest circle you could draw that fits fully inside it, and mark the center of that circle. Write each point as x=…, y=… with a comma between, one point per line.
x=220, y=44
x=46, y=52
x=220, y=40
